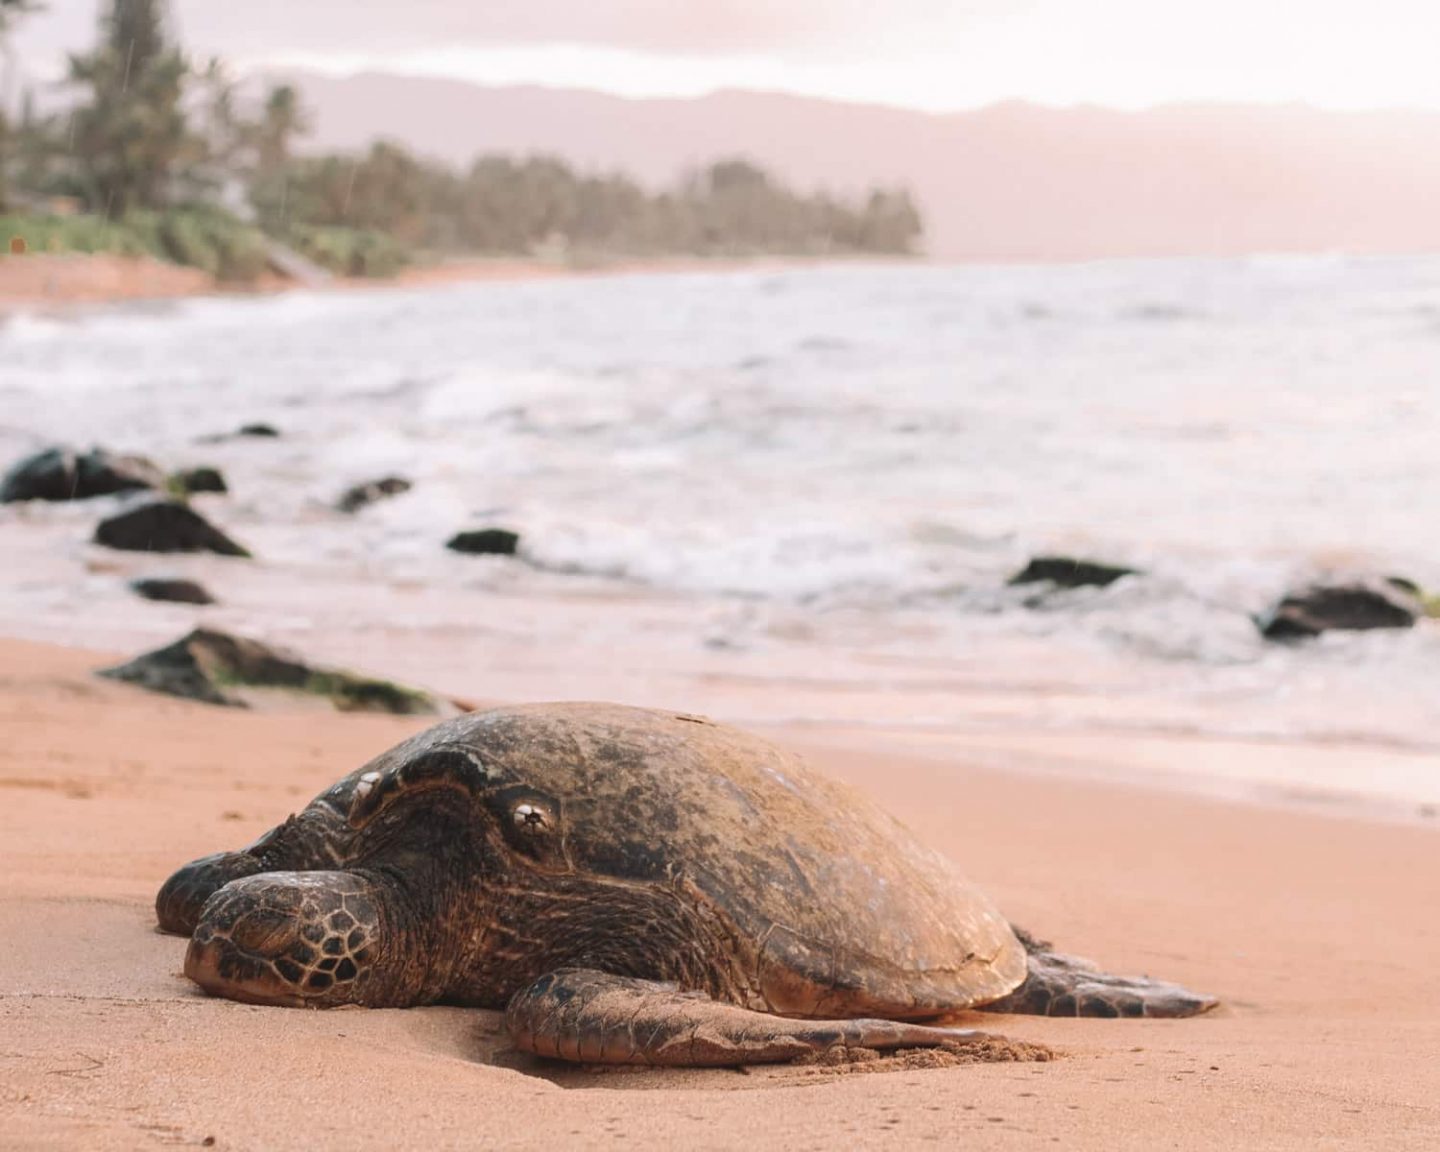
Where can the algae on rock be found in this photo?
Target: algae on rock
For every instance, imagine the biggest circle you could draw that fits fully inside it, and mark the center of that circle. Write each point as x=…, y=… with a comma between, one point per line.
x=239, y=672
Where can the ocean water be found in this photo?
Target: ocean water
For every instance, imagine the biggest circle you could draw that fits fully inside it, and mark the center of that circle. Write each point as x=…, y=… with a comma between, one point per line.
x=810, y=473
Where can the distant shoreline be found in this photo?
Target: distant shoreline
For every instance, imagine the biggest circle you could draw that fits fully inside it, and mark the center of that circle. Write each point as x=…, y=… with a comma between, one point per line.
x=47, y=281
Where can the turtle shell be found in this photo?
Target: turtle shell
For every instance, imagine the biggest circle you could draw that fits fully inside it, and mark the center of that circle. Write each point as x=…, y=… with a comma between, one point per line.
x=836, y=904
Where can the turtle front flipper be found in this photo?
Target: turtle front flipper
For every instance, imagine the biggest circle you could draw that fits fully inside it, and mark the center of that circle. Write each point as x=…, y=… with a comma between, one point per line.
x=592, y=1017
x=1061, y=985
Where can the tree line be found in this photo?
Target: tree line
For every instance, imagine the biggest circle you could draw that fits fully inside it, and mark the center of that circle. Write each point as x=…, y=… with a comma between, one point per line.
x=150, y=131
x=505, y=204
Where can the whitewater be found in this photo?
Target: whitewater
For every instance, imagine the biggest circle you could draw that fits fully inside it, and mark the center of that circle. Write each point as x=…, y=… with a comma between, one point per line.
x=819, y=476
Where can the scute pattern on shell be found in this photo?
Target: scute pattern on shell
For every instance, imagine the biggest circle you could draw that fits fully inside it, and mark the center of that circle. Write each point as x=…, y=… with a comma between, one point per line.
x=829, y=904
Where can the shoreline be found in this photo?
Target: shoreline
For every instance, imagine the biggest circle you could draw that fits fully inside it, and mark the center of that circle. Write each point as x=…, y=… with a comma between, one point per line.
x=480, y=630
x=1137, y=757
x=58, y=282
x=1168, y=764
x=1310, y=930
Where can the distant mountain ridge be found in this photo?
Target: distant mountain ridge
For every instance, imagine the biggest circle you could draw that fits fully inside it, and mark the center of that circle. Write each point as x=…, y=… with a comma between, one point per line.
x=1008, y=182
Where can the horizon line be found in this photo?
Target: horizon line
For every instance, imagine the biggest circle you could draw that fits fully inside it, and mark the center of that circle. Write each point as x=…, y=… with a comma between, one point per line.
x=251, y=68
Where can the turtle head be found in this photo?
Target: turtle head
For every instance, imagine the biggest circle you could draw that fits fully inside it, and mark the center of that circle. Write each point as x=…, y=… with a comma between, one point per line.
x=303, y=841
x=424, y=835
x=300, y=939
x=181, y=898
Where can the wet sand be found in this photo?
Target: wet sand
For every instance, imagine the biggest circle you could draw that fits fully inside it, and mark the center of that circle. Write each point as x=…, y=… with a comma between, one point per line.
x=1318, y=932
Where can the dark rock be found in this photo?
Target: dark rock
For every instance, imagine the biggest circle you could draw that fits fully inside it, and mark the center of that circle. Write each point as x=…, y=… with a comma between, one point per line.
x=60, y=474
x=164, y=526
x=173, y=591
x=203, y=479
x=245, y=431
x=1354, y=606
x=49, y=475
x=104, y=473
x=485, y=542
x=365, y=494
x=235, y=671
x=1070, y=573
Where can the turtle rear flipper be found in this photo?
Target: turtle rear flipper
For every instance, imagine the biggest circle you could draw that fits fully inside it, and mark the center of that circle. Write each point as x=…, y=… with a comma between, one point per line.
x=1061, y=985
x=592, y=1017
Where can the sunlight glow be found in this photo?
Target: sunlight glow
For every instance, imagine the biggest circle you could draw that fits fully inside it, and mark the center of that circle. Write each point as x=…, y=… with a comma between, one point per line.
x=1123, y=53
x=929, y=54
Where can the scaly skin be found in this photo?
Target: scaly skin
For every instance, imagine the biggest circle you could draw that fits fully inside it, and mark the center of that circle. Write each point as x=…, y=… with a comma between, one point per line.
x=1061, y=985
x=596, y=1018
x=292, y=937
x=315, y=839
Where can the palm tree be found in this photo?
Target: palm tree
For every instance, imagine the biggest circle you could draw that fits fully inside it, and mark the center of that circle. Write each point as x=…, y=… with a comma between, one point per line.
x=131, y=135
x=9, y=11
x=281, y=121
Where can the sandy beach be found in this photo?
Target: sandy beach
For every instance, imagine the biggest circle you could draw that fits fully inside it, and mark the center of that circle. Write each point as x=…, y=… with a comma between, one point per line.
x=44, y=280
x=47, y=281
x=1314, y=929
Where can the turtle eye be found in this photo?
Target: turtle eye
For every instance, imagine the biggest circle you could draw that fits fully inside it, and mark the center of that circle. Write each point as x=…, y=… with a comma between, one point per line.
x=530, y=821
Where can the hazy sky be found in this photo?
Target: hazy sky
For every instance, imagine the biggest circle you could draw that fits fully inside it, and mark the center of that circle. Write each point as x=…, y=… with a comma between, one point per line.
x=935, y=54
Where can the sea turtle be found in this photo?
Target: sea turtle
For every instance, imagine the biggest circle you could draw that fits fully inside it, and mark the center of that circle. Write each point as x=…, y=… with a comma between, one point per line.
x=632, y=886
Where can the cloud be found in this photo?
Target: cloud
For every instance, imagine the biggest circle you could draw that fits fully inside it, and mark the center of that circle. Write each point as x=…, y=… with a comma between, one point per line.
x=379, y=29
x=935, y=54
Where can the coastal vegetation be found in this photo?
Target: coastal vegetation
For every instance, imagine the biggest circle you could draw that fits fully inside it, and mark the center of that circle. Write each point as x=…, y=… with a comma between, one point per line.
x=156, y=154
x=198, y=235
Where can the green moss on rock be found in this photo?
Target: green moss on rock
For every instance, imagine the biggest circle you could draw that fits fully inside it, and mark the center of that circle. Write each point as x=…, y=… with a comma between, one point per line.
x=238, y=672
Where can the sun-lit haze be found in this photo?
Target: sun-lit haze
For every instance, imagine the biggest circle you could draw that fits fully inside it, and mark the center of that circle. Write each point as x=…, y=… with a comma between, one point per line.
x=928, y=54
